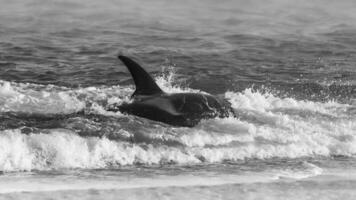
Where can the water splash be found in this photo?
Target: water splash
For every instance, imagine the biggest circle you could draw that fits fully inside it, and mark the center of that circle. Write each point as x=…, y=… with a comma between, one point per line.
x=267, y=127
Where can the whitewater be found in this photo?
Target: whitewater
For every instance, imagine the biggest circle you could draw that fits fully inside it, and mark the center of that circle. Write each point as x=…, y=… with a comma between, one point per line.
x=287, y=68
x=266, y=127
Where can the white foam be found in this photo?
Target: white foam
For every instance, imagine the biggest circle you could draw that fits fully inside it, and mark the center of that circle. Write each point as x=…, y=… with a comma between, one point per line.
x=167, y=81
x=60, y=148
x=264, y=102
x=267, y=127
x=310, y=170
x=21, y=98
x=64, y=149
x=50, y=99
x=14, y=152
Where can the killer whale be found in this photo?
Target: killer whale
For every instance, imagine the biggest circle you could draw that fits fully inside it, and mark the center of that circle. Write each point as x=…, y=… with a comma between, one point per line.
x=177, y=109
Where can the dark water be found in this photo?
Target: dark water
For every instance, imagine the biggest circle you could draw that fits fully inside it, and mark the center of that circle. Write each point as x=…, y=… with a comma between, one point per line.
x=305, y=46
x=288, y=68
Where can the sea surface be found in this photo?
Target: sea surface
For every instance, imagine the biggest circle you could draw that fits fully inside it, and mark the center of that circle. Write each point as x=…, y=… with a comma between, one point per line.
x=287, y=67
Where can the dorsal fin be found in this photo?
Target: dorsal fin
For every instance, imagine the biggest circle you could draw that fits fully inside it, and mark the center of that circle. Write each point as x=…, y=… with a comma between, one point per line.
x=145, y=84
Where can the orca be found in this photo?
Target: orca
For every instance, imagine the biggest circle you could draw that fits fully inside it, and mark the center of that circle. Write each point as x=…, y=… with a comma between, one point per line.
x=176, y=109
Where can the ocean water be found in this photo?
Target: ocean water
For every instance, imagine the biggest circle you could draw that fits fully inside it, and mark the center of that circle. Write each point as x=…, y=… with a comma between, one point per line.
x=287, y=67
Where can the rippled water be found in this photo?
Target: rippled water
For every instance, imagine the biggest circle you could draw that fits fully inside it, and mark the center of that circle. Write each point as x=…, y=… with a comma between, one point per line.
x=288, y=68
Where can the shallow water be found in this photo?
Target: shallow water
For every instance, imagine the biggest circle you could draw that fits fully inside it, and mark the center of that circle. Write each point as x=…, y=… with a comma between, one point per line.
x=288, y=69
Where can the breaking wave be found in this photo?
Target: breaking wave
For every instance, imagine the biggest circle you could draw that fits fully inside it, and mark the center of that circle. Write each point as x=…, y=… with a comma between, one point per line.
x=266, y=127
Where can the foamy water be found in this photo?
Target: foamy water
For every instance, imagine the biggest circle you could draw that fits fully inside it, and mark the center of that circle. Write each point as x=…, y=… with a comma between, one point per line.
x=286, y=67
x=267, y=127
x=61, y=136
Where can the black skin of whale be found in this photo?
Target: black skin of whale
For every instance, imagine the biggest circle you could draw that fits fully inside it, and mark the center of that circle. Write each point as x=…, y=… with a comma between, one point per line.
x=177, y=109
